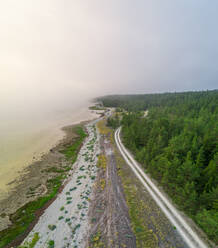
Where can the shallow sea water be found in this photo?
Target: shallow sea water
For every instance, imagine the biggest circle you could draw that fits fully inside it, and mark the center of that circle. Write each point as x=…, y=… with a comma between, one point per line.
x=24, y=140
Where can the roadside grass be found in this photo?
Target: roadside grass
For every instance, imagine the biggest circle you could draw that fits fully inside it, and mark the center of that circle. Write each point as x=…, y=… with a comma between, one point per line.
x=145, y=238
x=102, y=184
x=102, y=165
x=96, y=241
x=102, y=162
x=25, y=215
x=101, y=125
x=104, y=130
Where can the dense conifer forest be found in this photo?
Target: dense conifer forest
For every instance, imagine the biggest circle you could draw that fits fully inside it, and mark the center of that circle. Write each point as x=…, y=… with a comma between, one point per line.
x=177, y=143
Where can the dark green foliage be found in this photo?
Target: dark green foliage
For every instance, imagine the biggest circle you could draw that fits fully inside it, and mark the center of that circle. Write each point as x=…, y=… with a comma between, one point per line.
x=113, y=122
x=177, y=144
x=97, y=107
x=52, y=227
x=51, y=244
x=148, y=101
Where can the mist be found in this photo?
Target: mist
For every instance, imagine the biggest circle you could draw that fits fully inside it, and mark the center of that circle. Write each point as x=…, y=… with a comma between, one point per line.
x=55, y=55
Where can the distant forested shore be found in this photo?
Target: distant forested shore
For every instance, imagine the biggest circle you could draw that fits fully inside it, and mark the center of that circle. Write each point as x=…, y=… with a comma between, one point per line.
x=177, y=143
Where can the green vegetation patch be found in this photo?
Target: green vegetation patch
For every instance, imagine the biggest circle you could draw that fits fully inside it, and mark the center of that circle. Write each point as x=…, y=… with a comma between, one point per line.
x=62, y=208
x=60, y=217
x=102, y=162
x=72, y=151
x=52, y=227
x=32, y=243
x=97, y=107
x=58, y=170
x=96, y=241
x=51, y=244
x=74, y=188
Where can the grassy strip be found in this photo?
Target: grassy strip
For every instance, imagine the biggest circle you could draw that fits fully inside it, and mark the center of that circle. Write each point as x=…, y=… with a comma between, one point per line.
x=103, y=129
x=102, y=165
x=102, y=162
x=24, y=216
x=71, y=151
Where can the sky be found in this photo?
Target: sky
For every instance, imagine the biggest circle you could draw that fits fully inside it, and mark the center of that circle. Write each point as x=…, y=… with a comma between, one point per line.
x=56, y=53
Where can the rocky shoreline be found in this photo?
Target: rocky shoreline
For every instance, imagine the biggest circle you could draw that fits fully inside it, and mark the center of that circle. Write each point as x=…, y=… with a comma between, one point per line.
x=65, y=222
x=32, y=180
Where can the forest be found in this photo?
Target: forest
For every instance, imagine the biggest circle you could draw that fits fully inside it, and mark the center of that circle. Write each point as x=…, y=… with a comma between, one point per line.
x=177, y=144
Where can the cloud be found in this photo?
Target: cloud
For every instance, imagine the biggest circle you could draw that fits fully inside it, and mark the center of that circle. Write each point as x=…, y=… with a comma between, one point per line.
x=55, y=52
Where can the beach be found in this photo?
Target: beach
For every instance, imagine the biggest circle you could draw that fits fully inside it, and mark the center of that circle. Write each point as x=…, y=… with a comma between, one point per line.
x=66, y=222
x=45, y=184
x=25, y=141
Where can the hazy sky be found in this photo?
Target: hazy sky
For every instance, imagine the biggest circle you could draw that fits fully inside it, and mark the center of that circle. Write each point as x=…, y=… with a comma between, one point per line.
x=53, y=51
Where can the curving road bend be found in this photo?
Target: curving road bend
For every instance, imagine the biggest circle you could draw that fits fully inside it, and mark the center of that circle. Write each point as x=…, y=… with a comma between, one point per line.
x=189, y=236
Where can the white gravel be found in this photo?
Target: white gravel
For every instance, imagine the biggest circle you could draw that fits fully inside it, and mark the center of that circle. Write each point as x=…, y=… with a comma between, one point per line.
x=67, y=215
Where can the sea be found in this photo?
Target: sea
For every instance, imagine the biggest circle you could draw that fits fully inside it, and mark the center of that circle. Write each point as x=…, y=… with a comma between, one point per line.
x=25, y=138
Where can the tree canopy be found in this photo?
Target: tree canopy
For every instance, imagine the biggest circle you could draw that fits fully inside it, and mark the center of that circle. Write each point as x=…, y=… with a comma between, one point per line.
x=177, y=143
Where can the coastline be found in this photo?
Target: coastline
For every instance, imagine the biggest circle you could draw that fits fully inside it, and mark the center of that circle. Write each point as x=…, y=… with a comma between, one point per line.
x=25, y=141
x=30, y=184
x=65, y=222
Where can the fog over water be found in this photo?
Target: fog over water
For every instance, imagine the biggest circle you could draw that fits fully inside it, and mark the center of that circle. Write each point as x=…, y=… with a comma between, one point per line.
x=26, y=138
x=56, y=55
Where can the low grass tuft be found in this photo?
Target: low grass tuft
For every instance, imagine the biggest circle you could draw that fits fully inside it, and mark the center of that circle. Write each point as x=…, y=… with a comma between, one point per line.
x=32, y=243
